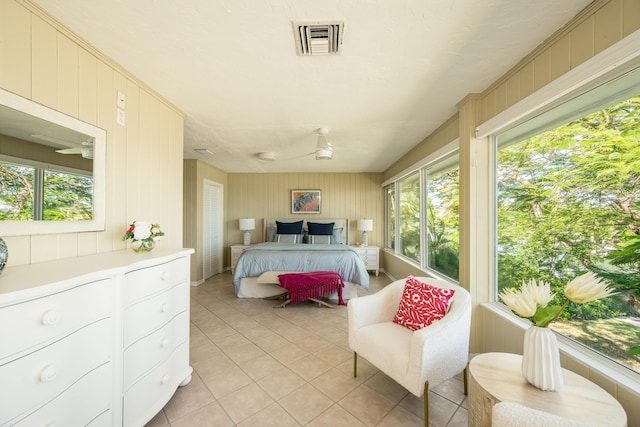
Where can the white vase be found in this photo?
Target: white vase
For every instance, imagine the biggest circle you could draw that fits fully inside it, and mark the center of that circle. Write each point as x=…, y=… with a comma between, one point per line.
x=541, y=359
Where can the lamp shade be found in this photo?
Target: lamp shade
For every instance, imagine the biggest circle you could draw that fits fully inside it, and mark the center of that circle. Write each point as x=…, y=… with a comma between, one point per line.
x=365, y=224
x=247, y=224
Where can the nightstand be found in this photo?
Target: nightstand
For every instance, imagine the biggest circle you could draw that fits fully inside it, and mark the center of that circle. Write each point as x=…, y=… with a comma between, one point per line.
x=370, y=255
x=236, y=251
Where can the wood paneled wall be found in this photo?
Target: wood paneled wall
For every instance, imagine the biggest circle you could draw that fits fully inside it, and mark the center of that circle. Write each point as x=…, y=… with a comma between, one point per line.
x=344, y=195
x=43, y=61
x=599, y=26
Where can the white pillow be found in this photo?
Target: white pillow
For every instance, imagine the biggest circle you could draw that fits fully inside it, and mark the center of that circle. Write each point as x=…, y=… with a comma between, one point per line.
x=288, y=238
x=320, y=239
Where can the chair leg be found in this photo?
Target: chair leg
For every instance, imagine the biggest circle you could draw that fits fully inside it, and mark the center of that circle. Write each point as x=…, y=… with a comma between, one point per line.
x=426, y=404
x=355, y=364
x=465, y=379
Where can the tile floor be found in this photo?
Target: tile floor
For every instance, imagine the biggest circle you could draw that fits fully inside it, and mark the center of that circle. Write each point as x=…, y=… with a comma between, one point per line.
x=255, y=365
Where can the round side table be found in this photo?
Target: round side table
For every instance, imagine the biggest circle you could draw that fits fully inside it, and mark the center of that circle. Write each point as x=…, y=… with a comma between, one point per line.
x=497, y=377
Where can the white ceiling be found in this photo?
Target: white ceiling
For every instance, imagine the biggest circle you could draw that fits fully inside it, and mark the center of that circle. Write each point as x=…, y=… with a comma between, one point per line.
x=232, y=67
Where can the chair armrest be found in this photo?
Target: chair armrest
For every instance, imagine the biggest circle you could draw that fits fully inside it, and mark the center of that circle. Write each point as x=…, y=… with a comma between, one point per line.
x=441, y=350
x=376, y=308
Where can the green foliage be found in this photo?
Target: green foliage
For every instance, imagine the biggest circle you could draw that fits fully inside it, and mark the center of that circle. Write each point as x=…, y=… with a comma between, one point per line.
x=65, y=196
x=569, y=201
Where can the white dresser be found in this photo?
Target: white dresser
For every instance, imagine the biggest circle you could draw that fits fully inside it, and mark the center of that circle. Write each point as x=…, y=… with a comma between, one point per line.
x=101, y=340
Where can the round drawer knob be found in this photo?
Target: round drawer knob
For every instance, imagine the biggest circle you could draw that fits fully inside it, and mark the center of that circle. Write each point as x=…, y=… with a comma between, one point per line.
x=164, y=308
x=164, y=342
x=165, y=379
x=49, y=374
x=50, y=317
x=165, y=275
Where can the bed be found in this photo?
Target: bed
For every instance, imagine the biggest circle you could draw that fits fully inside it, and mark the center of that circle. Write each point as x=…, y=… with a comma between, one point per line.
x=258, y=267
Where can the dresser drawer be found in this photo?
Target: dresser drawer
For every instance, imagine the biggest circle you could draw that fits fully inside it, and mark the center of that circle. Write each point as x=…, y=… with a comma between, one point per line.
x=44, y=374
x=147, y=396
x=147, y=315
x=84, y=403
x=27, y=325
x=148, y=281
x=155, y=348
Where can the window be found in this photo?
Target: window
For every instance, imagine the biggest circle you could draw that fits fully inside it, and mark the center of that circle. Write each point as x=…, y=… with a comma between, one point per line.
x=443, y=224
x=423, y=215
x=32, y=193
x=391, y=216
x=409, y=210
x=568, y=201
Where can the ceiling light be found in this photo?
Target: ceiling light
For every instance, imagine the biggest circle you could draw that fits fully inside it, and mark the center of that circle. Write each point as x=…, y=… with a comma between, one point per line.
x=267, y=156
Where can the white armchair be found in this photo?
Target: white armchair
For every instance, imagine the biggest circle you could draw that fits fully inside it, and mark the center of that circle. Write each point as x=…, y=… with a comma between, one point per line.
x=416, y=360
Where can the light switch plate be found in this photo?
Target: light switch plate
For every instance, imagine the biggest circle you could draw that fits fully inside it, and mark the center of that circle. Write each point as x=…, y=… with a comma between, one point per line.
x=121, y=116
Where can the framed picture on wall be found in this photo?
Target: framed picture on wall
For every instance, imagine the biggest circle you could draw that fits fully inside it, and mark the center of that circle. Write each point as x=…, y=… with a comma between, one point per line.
x=305, y=201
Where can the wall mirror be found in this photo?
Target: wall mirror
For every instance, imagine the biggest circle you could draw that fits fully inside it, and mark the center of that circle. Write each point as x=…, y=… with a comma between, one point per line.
x=52, y=170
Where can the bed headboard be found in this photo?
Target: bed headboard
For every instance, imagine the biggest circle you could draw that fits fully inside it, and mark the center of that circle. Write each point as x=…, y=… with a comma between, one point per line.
x=339, y=223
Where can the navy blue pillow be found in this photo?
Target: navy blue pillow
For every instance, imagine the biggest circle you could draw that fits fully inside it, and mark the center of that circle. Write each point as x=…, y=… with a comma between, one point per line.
x=289, y=227
x=319, y=229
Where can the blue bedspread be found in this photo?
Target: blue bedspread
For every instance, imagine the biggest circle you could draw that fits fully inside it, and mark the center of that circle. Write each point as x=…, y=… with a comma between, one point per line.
x=264, y=257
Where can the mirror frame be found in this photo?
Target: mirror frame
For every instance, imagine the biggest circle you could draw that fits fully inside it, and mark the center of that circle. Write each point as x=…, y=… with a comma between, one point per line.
x=22, y=228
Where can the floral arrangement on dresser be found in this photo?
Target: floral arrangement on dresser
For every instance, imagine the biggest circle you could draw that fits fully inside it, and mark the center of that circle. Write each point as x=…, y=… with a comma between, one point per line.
x=143, y=235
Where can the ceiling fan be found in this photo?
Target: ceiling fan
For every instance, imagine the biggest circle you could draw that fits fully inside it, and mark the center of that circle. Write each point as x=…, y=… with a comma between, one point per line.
x=86, y=150
x=324, y=149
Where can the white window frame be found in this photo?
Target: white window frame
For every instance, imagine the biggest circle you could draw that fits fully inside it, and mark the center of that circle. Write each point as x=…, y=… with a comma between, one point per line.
x=609, y=64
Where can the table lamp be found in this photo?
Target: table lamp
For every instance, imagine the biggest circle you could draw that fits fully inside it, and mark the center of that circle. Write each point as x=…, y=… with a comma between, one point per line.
x=365, y=225
x=247, y=224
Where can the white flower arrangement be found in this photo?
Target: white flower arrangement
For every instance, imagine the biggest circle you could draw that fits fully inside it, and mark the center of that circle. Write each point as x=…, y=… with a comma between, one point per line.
x=142, y=231
x=533, y=298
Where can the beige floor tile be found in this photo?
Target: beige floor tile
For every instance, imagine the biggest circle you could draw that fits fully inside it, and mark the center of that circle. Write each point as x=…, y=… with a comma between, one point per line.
x=204, y=351
x=244, y=352
x=336, y=416
x=231, y=341
x=309, y=367
x=365, y=369
x=261, y=366
x=401, y=417
x=334, y=355
x=271, y=416
x=227, y=382
x=187, y=399
x=367, y=405
x=271, y=343
x=313, y=343
x=217, y=332
x=335, y=384
x=459, y=419
x=288, y=354
x=387, y=387
x=280, y=383
x=452, y=390
x=440, y=409
x=257, y=333
x=213, y=365
x=305, y=403
x=245, y=402
x=207, y=416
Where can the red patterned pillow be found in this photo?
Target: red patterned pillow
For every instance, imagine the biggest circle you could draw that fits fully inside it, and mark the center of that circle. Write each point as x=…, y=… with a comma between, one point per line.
x=422, y=304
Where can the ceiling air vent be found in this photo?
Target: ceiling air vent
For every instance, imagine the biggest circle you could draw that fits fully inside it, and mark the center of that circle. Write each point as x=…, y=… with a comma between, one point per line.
x=318, y=38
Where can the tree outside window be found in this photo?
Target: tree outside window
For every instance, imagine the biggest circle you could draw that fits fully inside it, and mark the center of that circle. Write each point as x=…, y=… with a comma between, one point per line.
x=568, y=203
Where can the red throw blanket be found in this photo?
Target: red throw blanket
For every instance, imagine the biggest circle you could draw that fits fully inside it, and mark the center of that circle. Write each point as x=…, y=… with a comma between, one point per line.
x=316, y=284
